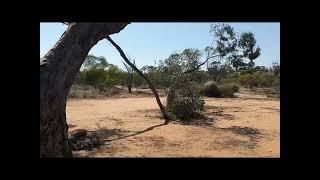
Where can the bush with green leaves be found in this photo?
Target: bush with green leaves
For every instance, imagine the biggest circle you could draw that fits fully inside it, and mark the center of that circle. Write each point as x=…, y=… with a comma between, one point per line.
x=231, y=78
x=210, y=89
x=227, y=90
x=183, y=102
x=248, y=80
x=276, y=82
x=265, y=79
x=258, y=79
x=95, y=77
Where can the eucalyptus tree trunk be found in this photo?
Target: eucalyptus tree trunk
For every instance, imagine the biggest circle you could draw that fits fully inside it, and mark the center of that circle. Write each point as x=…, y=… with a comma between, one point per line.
x=58, y=69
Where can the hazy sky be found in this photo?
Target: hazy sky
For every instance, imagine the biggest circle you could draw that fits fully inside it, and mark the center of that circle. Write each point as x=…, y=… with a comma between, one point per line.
x=146, y=42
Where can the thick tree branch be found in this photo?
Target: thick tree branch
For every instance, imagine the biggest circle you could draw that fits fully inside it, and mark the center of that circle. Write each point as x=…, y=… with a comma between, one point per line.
x=166, y=117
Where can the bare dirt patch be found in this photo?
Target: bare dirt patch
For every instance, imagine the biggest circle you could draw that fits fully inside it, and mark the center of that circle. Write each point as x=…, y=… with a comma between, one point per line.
x=246, y=126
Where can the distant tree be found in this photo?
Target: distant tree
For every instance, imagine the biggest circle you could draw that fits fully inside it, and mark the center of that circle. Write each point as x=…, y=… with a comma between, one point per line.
x=222, y=52
x=214, y=70
x=190, y=58
x=229, y=49
x=92, y=61
x=113, y=75
x=225, y=39
x=237, y=61
x=154, y=74
x=247, y=43
x=129, y=78
x=185, y=61
x=95, y=77
x=275, y=68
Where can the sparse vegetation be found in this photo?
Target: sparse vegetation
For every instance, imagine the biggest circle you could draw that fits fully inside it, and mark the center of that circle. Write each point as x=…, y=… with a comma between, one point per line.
x=189, y=80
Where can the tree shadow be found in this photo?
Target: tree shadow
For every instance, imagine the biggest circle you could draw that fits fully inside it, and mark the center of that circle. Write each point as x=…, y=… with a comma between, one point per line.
x=232, y=142
x=117, y=134
x=246, y=131
x=202, y=120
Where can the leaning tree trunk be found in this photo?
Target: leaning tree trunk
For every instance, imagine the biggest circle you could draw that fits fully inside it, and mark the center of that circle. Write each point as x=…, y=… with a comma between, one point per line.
x=58, y=69
x=153, y=89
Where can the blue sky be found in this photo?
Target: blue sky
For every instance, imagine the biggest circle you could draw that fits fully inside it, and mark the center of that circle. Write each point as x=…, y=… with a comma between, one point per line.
x=146, y=42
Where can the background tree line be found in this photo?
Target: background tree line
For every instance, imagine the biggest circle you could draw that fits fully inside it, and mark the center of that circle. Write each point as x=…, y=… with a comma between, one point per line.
x=229, y=59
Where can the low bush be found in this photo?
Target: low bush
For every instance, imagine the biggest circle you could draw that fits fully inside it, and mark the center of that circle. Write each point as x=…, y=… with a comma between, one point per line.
x=210, y=89
x=183, y=102
x=227, y=90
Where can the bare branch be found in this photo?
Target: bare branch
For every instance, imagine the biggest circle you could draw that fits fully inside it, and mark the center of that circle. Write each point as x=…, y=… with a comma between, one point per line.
x=197, y=67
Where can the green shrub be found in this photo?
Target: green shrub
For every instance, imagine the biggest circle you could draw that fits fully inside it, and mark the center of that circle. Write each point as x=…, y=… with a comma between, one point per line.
x=227, y=90
x=276, y=82
x=231, y=78
x=94, y=77
x=235, y=87
x=183, y=101
x=210, y=89
x=250, y=80
x=258, y=79
x=265, y=79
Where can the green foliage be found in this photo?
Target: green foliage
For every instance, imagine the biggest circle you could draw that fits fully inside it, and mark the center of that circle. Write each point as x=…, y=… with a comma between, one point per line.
x=248, y=80
x=95, y=76
x=276, y=82
x=137, y=80
x=210, y=89
x=156, y=76
x=182, y=100
x=265, y=79
x=235, y=87
x=259, y=79
x=227, y=56
x=199, y=76
x=275, y=68
x=93, y=62
x=227, y=47
x=179, y=62
x=225, y=39
x=103, y=78
x=227, y=90
x=247, y=43
x=231, y=78
x=113, y=76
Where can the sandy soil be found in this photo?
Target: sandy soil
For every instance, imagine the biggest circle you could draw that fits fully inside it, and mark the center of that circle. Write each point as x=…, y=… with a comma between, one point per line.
x=246, y=126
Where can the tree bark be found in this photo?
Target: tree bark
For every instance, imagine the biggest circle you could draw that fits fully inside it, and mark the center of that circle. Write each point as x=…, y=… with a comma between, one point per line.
x=122, y=54
x=58, y=69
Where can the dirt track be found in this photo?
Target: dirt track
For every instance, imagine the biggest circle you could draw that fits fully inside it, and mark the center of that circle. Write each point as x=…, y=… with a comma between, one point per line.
x=247, y=126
